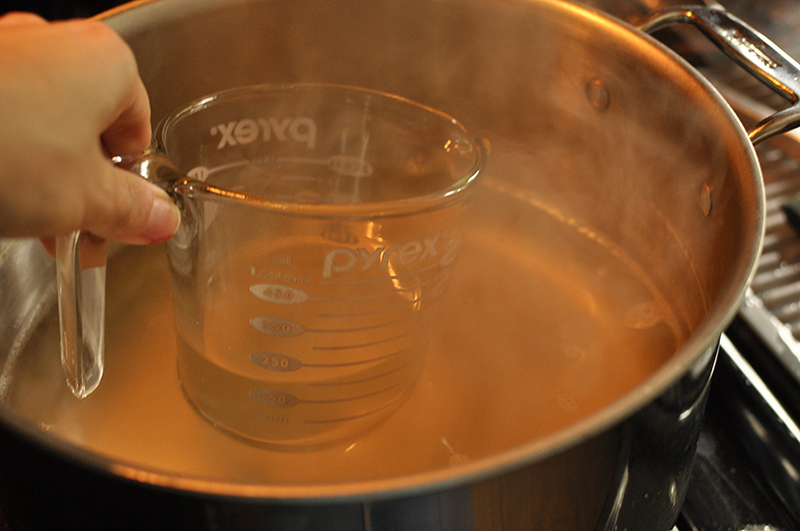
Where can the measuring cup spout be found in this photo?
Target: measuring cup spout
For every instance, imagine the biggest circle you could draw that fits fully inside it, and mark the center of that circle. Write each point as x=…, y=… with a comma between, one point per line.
x=81, y=280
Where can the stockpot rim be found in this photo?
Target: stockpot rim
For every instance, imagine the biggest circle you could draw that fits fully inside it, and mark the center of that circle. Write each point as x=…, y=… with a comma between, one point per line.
x=701, y=343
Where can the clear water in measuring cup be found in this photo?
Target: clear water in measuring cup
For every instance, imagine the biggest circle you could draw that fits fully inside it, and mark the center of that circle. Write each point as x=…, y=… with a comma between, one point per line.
x=309, y=329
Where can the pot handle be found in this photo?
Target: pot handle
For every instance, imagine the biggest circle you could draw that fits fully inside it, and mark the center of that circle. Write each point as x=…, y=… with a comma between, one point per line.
x=751, y=50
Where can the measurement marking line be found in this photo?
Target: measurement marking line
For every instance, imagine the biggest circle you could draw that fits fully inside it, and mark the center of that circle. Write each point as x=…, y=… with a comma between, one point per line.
x=389, y=293
x=353, y=363
x=343, y=419
x=351, y=382
x=372, y=312
x=349, y=398
x=361, y=345
x=369, y=280
x=381, y=310
x=394, y=291
x=361, y=329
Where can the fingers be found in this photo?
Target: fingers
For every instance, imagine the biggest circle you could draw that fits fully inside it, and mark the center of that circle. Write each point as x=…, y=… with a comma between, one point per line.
x=133, y=211
x=73, y=92
x=130, y=210
x=130, y=132
x=127, y=114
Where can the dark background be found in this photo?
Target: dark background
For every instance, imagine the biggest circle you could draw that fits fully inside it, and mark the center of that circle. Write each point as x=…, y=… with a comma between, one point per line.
x=60, y=9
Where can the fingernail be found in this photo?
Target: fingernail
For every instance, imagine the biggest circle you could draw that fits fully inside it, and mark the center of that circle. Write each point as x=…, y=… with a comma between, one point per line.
x=165, y=218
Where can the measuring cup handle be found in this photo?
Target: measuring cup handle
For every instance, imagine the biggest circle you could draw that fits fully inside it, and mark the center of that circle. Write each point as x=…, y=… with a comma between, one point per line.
x=81, y=279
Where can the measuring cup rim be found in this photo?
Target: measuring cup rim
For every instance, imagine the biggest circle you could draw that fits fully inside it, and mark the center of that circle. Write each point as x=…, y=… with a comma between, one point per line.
x=442, y=198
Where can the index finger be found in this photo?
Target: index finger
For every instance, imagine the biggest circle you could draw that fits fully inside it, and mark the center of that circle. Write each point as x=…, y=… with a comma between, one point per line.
x=130, y=132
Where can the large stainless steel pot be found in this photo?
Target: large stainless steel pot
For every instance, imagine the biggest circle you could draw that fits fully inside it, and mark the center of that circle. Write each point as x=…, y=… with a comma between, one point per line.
x=588, y=117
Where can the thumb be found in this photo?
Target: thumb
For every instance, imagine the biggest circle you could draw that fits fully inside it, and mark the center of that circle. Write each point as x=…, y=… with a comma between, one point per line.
x=134, y=211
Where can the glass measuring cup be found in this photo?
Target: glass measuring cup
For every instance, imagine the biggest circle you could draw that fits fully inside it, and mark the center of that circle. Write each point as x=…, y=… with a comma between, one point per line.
x=319, y=227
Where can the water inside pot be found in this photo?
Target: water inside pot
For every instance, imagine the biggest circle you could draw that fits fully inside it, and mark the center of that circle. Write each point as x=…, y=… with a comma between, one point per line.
x=546, y=321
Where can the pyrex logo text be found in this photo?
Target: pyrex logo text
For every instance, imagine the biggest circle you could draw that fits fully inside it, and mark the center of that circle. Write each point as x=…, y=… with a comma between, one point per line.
x=344, y=259
x=249, y=130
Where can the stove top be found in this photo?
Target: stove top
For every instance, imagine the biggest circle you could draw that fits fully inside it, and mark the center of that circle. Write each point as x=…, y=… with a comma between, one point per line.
x=734, y=484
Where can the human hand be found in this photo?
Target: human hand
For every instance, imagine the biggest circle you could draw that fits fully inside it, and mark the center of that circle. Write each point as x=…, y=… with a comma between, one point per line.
x=71, y=98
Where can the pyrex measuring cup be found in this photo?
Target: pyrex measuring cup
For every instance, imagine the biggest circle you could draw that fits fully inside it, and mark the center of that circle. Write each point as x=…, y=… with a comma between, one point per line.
x=319, y=226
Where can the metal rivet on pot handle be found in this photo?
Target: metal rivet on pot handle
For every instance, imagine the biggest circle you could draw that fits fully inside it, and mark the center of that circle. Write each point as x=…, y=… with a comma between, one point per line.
x=753, y=51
